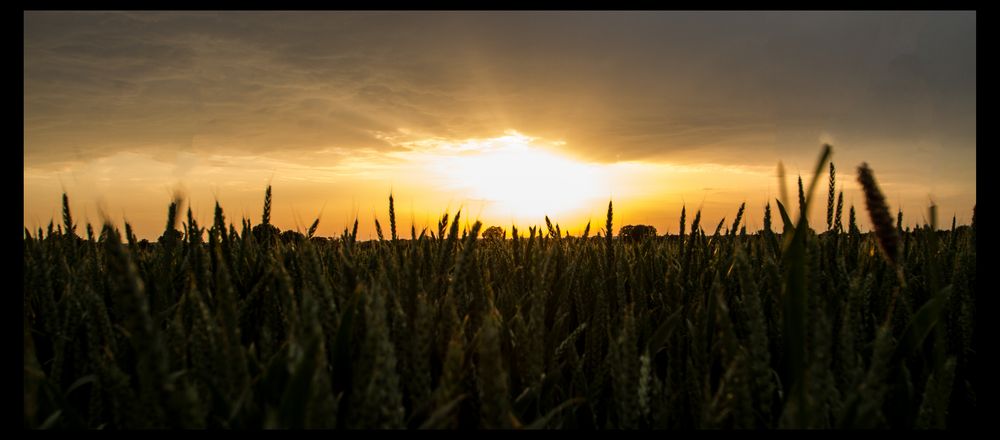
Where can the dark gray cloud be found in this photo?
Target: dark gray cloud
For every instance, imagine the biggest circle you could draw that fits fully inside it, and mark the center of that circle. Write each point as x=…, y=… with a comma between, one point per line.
x=683, y=86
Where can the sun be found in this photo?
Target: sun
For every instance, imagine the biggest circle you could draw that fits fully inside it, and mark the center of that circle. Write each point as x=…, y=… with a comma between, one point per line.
x=518, y=179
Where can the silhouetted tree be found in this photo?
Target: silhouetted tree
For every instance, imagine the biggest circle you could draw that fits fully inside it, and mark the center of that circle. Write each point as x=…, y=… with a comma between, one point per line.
x=494, y=233
x=264, y=233
x=291, y=236
x=637, y=232
x=319, y=240
x=170, y=235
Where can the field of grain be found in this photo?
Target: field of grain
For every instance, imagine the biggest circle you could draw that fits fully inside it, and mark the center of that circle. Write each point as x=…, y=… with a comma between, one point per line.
x=243, y=326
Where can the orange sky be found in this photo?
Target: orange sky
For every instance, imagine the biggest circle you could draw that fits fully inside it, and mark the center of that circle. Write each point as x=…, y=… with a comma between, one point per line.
x=509, y=116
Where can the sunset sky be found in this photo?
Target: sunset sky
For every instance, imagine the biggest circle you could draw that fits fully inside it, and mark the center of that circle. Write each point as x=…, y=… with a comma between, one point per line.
x=510, y=116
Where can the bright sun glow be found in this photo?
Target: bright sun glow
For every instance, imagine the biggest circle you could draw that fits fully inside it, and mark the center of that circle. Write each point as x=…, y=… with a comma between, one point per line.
x=515, y=178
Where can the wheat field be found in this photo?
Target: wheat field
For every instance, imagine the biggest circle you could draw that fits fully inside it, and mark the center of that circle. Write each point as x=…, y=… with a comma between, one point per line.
x=248, y=327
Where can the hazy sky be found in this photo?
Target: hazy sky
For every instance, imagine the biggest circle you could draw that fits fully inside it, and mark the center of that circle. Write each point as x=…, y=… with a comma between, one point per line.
x=509, y=115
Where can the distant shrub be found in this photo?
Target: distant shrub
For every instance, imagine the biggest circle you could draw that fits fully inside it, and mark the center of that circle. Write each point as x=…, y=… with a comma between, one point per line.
x=637, y=232
x=290, y=236
x=494, y=233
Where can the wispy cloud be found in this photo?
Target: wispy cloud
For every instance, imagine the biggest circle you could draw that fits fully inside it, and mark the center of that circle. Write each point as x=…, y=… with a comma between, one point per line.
x=338, y=95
